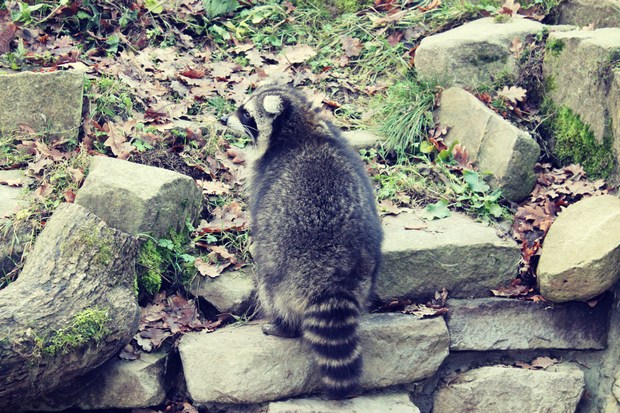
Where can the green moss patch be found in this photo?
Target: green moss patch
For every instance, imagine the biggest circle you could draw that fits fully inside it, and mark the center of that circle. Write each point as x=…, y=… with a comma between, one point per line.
x=152, y=263
x=574, y=142
x=555, y=46
x=87, y=325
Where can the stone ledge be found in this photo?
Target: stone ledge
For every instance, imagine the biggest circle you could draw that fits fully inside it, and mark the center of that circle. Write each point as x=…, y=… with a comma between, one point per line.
x=457, y=253
x=242, y=365
x=510, y=324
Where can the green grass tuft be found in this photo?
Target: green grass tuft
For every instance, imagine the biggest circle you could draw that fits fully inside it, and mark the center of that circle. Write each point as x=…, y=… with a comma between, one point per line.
x=406, y=115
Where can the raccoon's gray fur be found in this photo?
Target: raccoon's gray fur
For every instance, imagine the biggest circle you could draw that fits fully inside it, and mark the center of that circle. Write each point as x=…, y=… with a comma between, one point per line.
x=317, y=236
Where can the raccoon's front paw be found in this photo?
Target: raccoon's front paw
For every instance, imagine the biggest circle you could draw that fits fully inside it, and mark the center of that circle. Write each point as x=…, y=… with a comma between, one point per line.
x=272, y=329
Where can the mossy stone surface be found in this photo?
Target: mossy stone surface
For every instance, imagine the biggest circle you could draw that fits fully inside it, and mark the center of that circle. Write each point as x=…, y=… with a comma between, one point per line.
x=49, y=103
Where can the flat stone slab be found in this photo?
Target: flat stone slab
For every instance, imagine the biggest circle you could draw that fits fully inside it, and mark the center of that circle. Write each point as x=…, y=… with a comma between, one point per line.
x=466, y=257
x=508, y=324
x=139, y=199
x=230, y=292
x=118, y=384
x=501, y=389
x=389, y=402
x=473, y=53
x=493, y=143
x=242, y=365
x=49, y=103
x=580, y=258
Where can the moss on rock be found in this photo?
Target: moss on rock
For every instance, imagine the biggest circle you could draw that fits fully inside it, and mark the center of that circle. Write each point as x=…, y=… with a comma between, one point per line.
x=152, y=262
x=87, y=325
x=574, y=142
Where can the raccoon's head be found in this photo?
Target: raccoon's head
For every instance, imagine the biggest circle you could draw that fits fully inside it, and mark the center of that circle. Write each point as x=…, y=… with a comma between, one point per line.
x=264, y=112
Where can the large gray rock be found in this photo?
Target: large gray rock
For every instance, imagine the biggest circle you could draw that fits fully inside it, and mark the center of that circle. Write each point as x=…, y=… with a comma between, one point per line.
x=385, y=402
x=242, y=365
x=474, y=53
x=584, y=60
x=509, y=324
x=581, y=255
x=600, y=13
x=466, y=257
x=507, y=390
x=493, y=143
x=139, y=199
x=118, y=384
x=230, y=292
x=12, y=199
x=49, y=103
x=362, y=139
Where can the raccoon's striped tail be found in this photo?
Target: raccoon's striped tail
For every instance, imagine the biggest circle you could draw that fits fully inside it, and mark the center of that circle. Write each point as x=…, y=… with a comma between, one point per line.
x=330, y=328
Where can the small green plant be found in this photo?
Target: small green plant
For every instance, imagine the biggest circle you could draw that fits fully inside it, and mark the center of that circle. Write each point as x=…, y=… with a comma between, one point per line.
x=110, y=98
x=215, y=8
x=574, y=142
x=165, y=259
x=441, y=185
x=555, y=46
x=502, y=18
x=406, y=114
x=87, y=325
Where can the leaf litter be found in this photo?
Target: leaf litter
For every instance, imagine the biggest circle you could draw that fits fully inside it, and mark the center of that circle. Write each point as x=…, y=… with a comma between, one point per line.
x=184, y=81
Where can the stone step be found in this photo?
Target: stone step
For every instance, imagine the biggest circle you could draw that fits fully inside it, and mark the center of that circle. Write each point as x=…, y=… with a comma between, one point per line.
x=392, y=402
x=501, y=389
x=242, y=365
x=466, y=257
x=509, y=324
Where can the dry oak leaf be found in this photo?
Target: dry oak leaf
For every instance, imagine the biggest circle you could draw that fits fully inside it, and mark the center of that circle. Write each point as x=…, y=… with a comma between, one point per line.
x=517, y=47
x=351, y=45
x=513, y=94
x=510, y=7
x=254, y=57
x=297, y=54
x=208, y=269
x=432, y=5
x=382, y=21
x=213, y=187
x=543, y=362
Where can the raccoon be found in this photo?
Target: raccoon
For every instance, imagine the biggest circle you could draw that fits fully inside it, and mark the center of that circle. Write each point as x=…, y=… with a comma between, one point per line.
x=317, y=235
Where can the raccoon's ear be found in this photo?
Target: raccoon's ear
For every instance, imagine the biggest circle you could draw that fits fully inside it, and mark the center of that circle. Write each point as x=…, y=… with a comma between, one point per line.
x=273, y=104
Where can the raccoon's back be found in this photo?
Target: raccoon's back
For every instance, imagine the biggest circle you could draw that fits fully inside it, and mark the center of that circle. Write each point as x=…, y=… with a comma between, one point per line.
x=317, y=195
